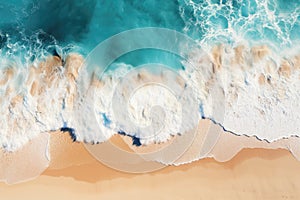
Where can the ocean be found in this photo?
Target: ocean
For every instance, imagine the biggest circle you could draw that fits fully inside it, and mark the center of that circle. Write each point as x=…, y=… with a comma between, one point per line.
x=82, y=25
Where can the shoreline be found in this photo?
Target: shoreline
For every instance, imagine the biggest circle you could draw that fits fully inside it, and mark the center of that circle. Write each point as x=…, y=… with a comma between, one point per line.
x=253, y=173
x=74, y=173
x=41, y=81
x=58, y=151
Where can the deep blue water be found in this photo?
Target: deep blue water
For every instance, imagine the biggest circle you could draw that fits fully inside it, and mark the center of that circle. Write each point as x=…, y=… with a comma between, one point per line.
x=55, y=26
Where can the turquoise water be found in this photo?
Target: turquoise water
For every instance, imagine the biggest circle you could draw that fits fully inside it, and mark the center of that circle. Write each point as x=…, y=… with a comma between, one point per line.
x=57, y=27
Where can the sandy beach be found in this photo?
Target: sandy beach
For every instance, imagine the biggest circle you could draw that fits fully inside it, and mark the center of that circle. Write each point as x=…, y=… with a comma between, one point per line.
x=251, y=174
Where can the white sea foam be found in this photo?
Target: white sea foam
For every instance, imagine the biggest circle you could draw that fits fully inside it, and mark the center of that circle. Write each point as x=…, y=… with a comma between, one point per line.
x=257, y=88
x=261, y=94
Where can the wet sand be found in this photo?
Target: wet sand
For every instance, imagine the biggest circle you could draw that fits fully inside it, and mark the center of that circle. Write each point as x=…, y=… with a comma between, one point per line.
x=251, y=174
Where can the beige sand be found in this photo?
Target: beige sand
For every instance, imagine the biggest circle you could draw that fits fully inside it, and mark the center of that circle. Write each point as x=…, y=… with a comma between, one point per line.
x=253, y=174
x=74, y=174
